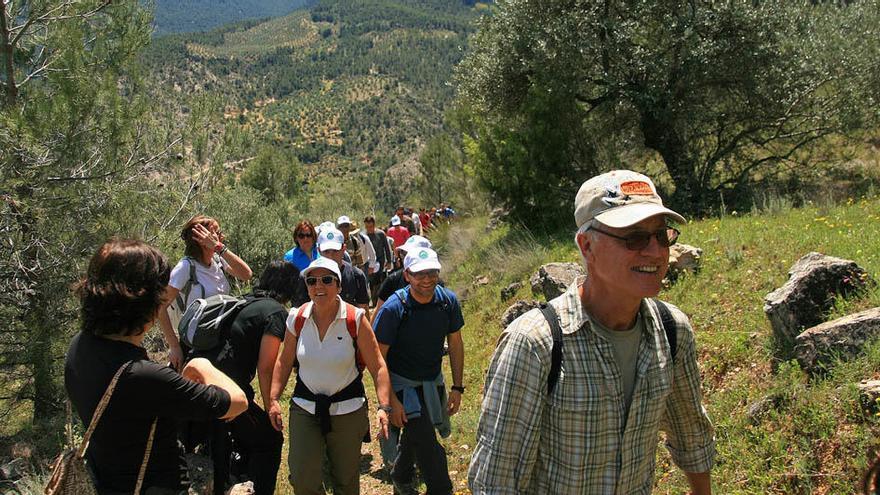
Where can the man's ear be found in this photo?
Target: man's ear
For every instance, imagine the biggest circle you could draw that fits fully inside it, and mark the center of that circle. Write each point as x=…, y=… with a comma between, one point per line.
x=584, y=243
x=406, y=276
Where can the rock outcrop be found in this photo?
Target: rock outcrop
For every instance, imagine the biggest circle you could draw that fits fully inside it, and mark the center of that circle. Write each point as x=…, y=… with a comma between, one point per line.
x=553, y=279
x=818, y=347
x=803, y=302
x=510, y=290
x=683, y=258
x=869, y=393
x=516, y=310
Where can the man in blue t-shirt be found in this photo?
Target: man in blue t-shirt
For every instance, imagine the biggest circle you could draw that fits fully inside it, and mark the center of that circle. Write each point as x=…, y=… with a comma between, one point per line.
x=411, y=328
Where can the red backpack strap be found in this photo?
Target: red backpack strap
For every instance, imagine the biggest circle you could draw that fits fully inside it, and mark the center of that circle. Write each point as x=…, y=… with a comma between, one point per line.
x=351, y=323
x=299, y=320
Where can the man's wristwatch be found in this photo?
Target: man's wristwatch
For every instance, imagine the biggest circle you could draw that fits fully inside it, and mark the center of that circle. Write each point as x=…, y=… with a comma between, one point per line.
x=383, y=407
x=458, y=388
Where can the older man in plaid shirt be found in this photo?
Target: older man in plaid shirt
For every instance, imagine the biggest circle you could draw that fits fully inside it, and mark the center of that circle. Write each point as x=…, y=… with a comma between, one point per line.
x=588, y=423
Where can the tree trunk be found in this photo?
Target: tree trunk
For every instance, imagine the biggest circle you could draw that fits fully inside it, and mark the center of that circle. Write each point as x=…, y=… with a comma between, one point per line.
x=662, y=136
x=7, y=49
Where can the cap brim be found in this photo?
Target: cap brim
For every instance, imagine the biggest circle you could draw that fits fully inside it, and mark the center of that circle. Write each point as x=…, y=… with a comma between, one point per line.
x=308, y=270
x=330, y=245
x=424, y=265
x=633, y=213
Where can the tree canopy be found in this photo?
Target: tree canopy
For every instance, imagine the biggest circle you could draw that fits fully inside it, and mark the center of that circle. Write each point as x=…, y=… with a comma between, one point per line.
x=726, y=93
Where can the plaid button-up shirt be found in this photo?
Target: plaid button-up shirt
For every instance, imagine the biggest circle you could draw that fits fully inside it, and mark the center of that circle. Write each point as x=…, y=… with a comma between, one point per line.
x=577, y=440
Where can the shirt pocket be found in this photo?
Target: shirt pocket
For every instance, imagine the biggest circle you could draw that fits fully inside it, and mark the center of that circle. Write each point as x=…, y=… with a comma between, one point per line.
x=580, y=426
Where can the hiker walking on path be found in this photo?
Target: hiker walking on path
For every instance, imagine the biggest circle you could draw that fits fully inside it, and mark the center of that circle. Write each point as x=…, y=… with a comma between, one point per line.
x=253, y=338
x=411, y=328
x=306, y=250
x=200, y=274
x=397, y=232
x=586, y=420
x=134, y=445
x=383, y=255
x=355, y=288
x=396, y=279
x=332, y=342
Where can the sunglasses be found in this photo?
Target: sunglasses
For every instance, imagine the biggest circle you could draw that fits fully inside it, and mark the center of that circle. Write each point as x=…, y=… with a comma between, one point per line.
x=325, y=280
x=304, y=235
x=425, y=274
x=636, y=241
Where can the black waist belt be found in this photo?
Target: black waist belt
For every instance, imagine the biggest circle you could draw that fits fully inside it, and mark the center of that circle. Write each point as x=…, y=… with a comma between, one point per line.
x=353, y=390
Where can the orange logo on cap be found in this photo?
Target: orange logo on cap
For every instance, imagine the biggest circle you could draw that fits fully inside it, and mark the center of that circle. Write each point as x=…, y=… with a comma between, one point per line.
x=636, y=188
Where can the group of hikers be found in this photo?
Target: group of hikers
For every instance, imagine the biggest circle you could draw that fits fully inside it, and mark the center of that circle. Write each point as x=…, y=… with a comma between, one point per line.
x=575, y=395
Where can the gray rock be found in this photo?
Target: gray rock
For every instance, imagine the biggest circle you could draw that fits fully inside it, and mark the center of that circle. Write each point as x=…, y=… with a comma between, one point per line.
x=683, y=259
x=759, y=409
x=869, y=393
x=553, y=279
x=803, y=302
x=510, y=290
x=496, y=218
x=817, y=348
x=516, y=310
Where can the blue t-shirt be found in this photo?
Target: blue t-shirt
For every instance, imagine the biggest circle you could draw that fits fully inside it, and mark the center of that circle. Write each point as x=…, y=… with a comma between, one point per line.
x=416, y=340
x=299, y=259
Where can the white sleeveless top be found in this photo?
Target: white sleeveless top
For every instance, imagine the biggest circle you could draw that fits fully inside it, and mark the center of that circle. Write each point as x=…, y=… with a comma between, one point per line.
x=327, y=366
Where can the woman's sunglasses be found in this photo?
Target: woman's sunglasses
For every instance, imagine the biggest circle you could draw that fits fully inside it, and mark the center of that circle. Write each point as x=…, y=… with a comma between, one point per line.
x=325, y=280
x=304, y=235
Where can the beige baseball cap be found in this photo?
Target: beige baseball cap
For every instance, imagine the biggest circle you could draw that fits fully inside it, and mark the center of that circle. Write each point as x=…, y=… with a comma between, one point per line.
x=618, y=199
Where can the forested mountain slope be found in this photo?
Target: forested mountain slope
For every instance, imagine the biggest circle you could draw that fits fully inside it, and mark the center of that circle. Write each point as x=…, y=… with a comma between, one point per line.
x=350, y=87
x=181, y=16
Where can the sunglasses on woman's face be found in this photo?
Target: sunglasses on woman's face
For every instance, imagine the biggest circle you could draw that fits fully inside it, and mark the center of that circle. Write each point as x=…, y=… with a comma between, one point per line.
x=325, y=280
x=304, y=235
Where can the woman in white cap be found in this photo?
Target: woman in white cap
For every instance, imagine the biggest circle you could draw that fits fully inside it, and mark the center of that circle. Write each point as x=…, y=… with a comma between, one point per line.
x=332, y=341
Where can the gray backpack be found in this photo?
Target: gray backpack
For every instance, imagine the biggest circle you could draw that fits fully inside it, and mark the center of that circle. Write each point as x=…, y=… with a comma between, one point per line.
x=204, y=324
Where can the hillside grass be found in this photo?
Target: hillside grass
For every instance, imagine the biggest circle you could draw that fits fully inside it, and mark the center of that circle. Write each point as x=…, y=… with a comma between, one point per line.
x=816, y=439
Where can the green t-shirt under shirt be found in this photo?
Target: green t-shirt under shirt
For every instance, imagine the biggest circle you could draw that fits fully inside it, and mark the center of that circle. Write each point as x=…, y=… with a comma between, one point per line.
x=625, y=344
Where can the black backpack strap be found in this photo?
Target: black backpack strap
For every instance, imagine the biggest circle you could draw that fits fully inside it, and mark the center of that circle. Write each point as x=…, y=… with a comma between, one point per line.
x=669, y=326
x=556, y=353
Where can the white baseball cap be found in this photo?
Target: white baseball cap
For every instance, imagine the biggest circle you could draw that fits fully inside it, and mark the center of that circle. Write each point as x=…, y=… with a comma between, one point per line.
x=322, y=262
x=324, y=226
x=330, y=239
x=618, y=199
x=395, y=220
x=415, y=241
x=421, y=259
x=343, y=220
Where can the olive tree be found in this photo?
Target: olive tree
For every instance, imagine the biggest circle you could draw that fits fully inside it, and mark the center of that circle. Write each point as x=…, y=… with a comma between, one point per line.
x=723, y=92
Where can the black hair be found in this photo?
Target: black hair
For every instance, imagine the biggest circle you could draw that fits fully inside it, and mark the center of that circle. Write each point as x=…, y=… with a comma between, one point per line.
x=278, y=281
x=123, y=288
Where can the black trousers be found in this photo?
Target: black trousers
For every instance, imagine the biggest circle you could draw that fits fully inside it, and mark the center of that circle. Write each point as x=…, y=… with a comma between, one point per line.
x=256, y=441
x=419, y=444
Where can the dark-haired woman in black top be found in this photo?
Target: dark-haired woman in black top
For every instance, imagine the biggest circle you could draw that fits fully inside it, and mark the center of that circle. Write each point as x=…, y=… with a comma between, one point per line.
x=120, y=298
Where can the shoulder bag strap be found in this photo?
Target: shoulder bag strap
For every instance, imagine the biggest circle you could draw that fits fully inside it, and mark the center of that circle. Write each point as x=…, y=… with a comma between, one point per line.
x=143, y=470
x=96, y=416
x=552, y=318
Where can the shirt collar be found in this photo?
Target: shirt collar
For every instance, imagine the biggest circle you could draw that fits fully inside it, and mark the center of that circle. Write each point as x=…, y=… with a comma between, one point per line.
x=341, y=314
x=573, y=316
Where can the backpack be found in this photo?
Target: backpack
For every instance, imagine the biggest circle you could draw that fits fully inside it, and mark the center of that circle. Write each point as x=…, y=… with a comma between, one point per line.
x=70, y=475
x=351, y=325
x=439, y=296
x=355, y=247
x=204, y=325
x=666, y=320
x=178, y=306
